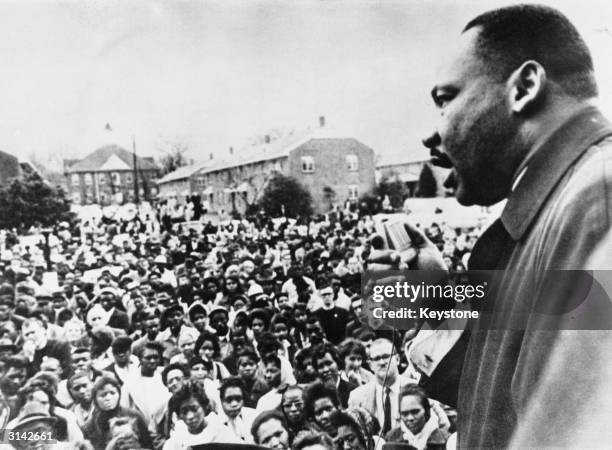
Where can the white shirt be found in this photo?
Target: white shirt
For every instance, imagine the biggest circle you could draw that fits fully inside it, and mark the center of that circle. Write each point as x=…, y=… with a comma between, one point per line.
x=268, y=401
x=148, y=393
x=380, y=403
x=215, y=431
x=241, y=425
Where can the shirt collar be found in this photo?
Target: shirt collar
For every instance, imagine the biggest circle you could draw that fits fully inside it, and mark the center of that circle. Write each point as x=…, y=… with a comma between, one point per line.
x=550, y=161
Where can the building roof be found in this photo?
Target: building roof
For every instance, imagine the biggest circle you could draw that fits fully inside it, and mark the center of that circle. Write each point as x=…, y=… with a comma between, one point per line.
x=182, y=173
x=404, y=158
x=110, y=158
x=280, y=148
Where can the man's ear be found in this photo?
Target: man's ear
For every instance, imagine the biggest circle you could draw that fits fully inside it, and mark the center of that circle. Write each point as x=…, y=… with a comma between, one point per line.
x=527, y=84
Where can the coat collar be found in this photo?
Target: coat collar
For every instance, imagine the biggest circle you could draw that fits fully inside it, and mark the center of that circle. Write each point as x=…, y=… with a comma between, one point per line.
x=548, y=165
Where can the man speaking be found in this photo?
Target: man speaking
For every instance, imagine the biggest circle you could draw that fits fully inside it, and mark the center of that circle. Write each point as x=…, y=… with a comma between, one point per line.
x=517, y=121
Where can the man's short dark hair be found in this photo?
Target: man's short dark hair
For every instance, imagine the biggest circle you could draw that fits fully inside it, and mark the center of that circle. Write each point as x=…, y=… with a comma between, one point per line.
x=272, y=359
x=507, y=37
x=264, y=417
x=317, y=391
x=231, y=382
x=157, y=346
x=121, y=344
x=174, y=366
x=247, y=353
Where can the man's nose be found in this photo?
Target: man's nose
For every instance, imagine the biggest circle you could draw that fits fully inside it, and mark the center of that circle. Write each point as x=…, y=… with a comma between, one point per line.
x=432, y=141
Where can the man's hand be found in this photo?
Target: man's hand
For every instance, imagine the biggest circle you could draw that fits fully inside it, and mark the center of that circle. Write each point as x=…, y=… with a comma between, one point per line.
x=422, y=255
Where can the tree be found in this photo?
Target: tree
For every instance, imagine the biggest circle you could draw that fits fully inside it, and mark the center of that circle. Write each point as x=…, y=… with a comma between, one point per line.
x=394, y=188
x=174, y=156
x=427, y=186
x=285, y=196
x=31, y=200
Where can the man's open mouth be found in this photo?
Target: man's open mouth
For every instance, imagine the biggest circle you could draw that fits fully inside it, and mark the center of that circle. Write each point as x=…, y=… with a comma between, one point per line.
x=440, y=159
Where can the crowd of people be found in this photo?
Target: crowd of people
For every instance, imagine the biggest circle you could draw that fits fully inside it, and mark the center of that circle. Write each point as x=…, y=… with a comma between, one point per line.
x=139, y=334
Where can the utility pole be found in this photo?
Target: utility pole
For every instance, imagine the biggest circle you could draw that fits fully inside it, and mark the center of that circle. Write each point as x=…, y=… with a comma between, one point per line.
x=136, y=196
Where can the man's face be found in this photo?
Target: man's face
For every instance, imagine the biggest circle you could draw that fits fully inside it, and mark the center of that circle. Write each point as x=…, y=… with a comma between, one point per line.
x=246, y=368
x=272, y=434
x=476, y=130
x=81, y=390
x=272, y=375
x=174, y=380
x=81, y=361
x=232, y=401
x=218, y=321
x=122, y=358
x=152, y=325
x=199, y=321
x=327, y=295
x=36, y=333
x=327, y=369
x=13, y=380
x=149, y=361
x=174, y=319
x=107, y=301
x=315, y=332
x=380, y=364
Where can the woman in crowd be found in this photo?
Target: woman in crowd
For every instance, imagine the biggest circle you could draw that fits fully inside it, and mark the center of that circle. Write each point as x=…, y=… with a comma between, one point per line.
x=293, y=408
x=353, y=353
x=108, y=415
x=418, y=426
x=198, y=424
x=207, y=347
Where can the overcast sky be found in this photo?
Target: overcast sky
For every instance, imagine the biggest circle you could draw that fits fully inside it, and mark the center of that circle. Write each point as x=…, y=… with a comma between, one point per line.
x=212, y=74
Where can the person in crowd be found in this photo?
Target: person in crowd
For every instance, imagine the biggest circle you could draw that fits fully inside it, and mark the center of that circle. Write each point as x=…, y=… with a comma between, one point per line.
x=37, y=345
x=235, y=416
x=98, y=429
x=14, y=377
x=207, y=347
x=321, y=401
x=254, y=385
x=419, y=425
x=327, y=363
x=198, y=424
x=107, y=297
x=313, y=441
x=80, y=388
x=151, y=331
x=138, y=387
x=270, y=431
x=272, y=376
x=333, y=319
x=174, y=376
x=353, y=354
x=305, y=371
x=293, y=408
x=124, y=364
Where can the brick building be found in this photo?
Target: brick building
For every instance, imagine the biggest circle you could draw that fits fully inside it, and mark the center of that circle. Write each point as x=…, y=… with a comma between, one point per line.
x=107, y=176
x=334, y=169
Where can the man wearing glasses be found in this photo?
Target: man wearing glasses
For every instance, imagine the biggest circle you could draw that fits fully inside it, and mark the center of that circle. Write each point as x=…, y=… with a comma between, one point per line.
x=380, y=397
x=332, y=318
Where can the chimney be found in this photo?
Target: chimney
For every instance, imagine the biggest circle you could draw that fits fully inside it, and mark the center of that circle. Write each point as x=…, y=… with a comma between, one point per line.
x=321, y=121
x=267, y=139
x=231, y=150
x=211, y=156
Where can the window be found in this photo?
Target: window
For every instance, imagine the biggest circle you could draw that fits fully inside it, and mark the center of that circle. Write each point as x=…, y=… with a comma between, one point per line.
x=129, y=178
x=88, y=179
x=307, y=164
x=116, y=178
x=353, y=192
x=76, y=198
x=75, y=181
x=352, y=162
x=102, y=178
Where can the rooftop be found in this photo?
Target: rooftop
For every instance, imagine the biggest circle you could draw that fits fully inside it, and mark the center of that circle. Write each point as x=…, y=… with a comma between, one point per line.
x=110, y=158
